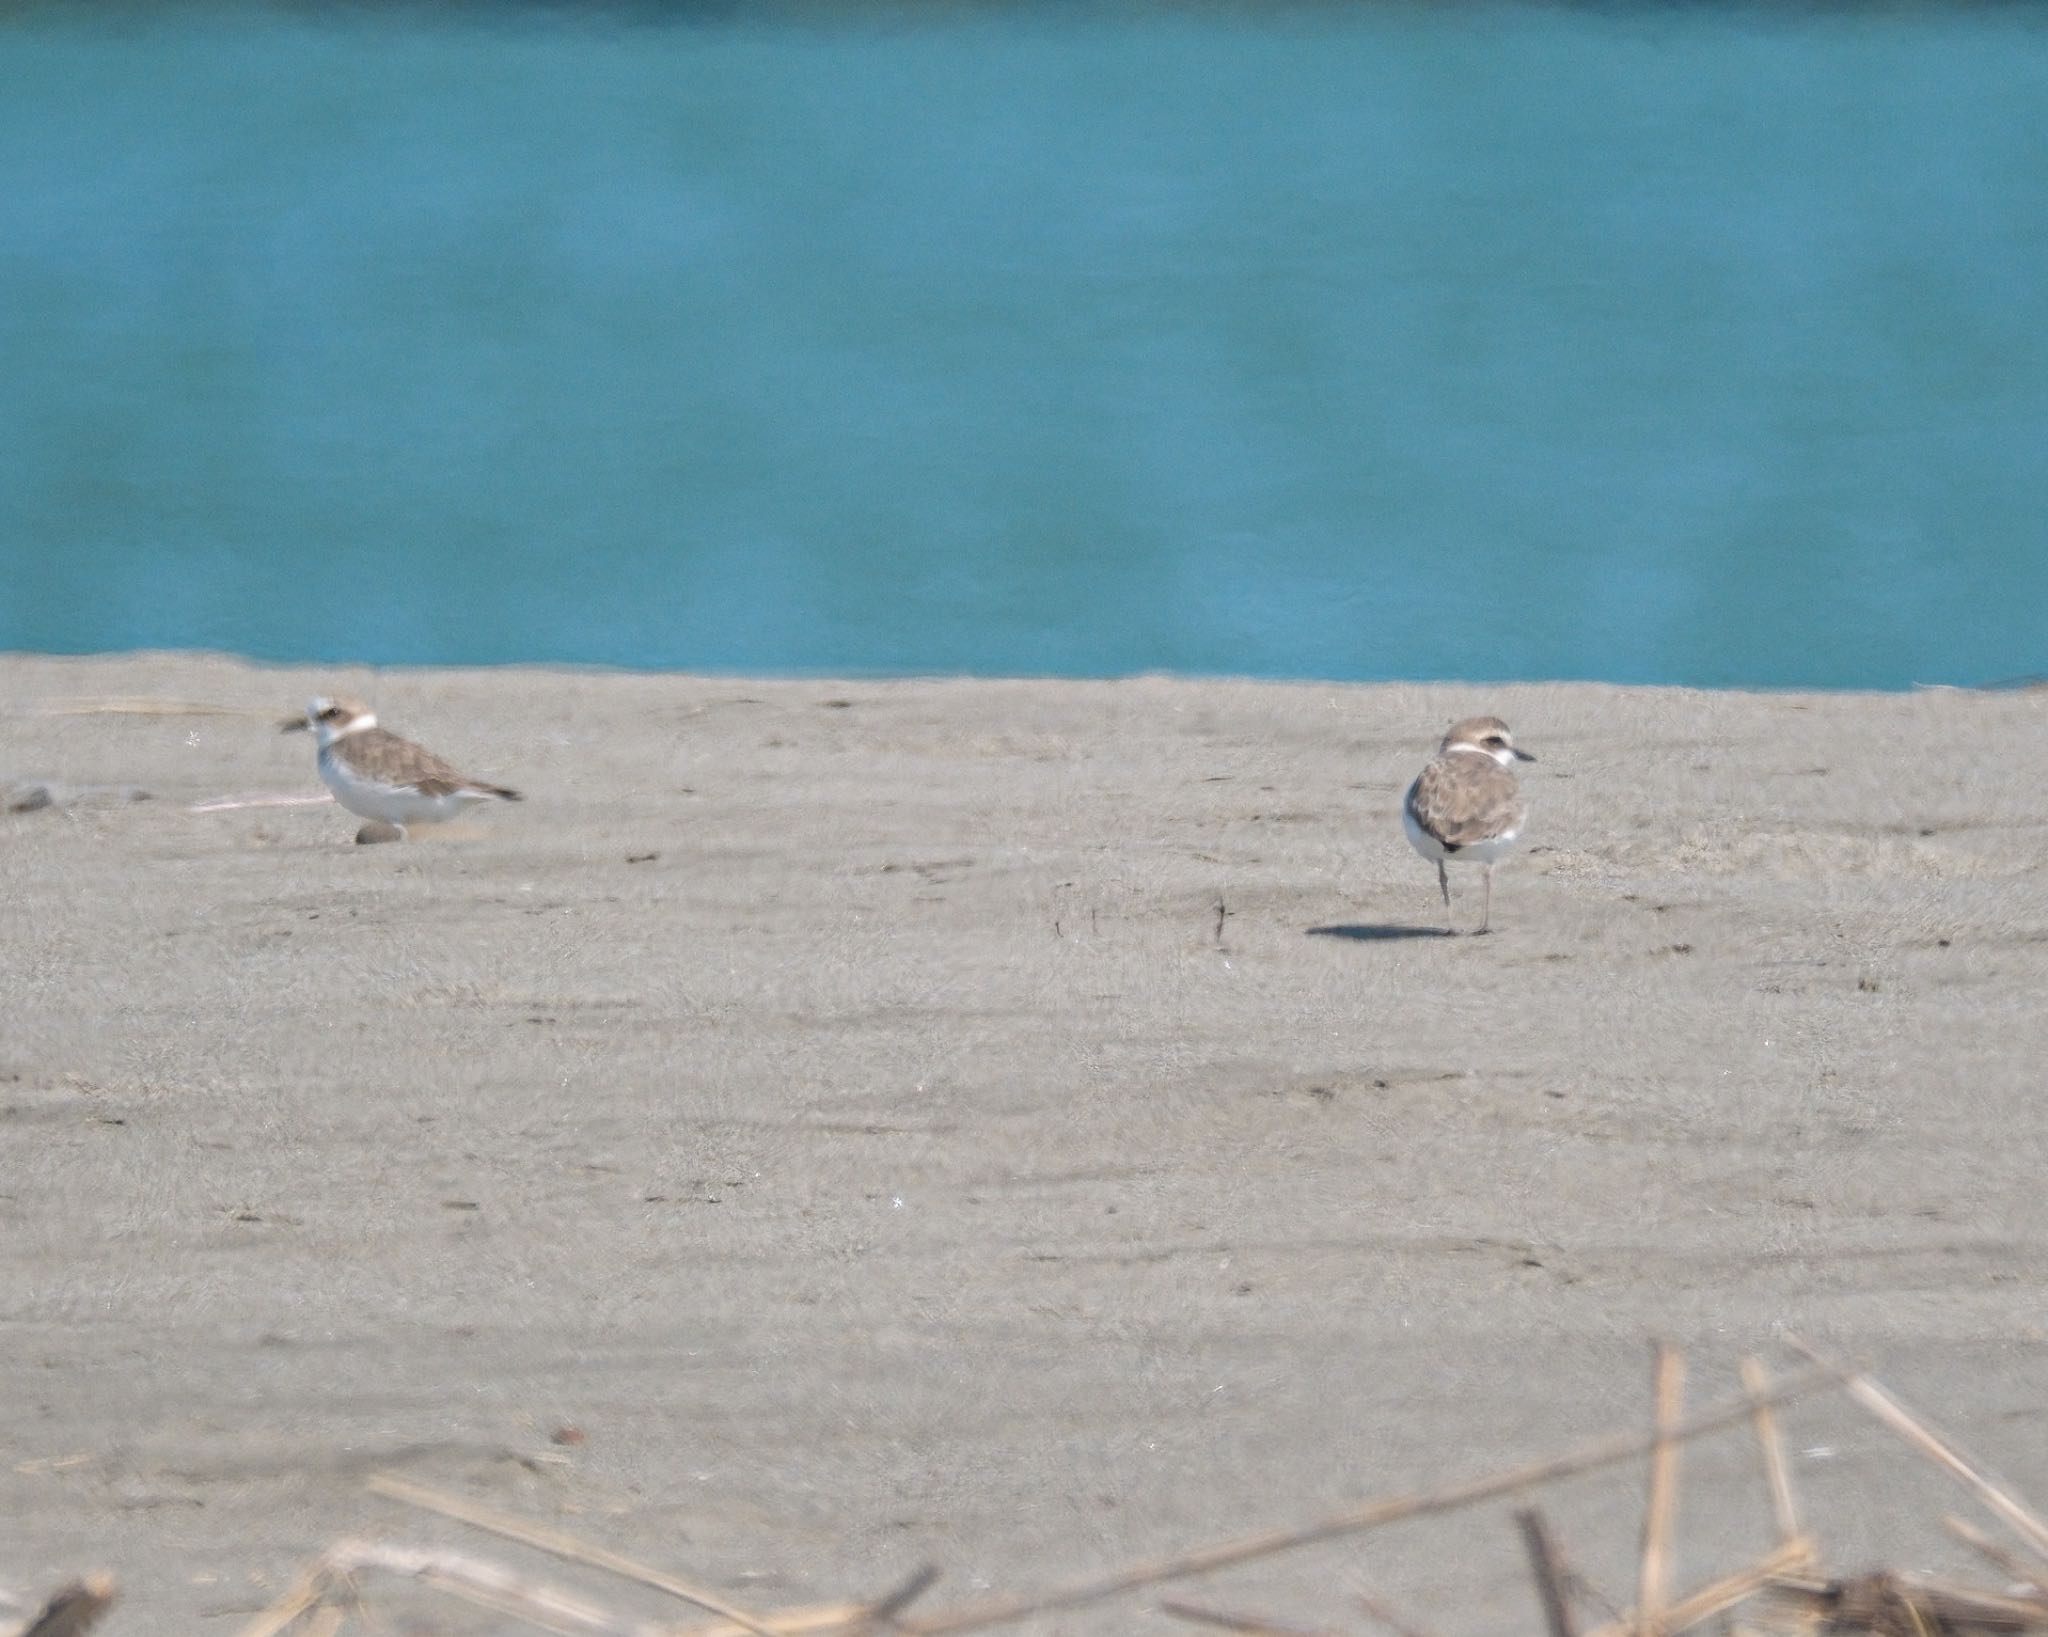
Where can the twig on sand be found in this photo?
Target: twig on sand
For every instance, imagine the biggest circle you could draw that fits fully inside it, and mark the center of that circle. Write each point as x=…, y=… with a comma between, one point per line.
x=1400, y=1625
x=74, y=1609
x=1548, y=1568
x=235, y=804
x=1884, y=1603
x=308, y=1586
x=1782, y=1591
x=563, y=1545
x=2006, y=1562
x=147, y=707
x=491, y=1586
x=1252, y=1624
x=803, y=1622
x=2024, y=1521
x=1718, y=1596
x=884, y=1610
x=1587, y=1590
x=1660, y=1509
x=1355, y=1520
x=1756, y=1381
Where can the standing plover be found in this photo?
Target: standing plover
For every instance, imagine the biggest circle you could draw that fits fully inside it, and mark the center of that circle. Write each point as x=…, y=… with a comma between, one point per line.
x=381, y=776
x=1466, y=807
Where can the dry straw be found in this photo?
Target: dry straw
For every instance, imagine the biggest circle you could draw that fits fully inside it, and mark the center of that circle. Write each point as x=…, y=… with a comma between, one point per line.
x=1783, y=1591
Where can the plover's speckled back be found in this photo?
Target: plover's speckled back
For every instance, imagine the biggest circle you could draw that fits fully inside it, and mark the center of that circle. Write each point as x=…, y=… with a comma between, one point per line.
x=1466, y=807
x=375, y=773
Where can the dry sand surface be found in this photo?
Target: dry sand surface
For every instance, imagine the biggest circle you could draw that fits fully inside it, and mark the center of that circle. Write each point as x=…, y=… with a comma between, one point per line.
x=999, y=1124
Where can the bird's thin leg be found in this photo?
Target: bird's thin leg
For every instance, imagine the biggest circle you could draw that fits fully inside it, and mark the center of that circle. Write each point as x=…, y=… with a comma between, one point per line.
x=1443, y=881
x=1486, y=913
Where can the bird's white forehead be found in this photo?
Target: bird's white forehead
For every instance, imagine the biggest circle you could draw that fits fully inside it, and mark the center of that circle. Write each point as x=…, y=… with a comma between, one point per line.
x=333, y=716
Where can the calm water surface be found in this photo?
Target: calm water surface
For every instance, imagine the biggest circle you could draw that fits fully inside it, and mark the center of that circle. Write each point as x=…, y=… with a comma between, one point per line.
x=1693, y=346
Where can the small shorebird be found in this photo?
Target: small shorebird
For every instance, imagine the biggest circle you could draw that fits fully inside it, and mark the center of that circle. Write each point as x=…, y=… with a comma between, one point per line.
x=1466, y=807
x=381, y=776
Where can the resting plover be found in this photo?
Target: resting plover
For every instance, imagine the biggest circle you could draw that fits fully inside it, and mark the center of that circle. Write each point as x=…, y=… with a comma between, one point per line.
x=1466, y=807
x=381, y=776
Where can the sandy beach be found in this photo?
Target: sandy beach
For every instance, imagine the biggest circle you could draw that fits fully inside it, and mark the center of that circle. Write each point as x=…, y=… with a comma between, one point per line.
x=999, y=1124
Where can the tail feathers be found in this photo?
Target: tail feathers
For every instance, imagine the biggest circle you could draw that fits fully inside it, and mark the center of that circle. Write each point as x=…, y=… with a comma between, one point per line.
x=500, y=792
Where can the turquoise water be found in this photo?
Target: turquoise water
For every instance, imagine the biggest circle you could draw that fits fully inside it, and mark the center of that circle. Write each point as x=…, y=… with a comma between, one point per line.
x=1702, y=346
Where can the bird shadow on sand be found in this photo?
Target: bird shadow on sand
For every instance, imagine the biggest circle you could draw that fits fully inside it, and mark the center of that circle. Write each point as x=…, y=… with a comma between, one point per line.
x=1378, y=932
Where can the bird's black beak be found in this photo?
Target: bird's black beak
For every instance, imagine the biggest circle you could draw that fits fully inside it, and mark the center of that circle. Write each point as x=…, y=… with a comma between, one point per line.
x=295, y=724
x=1522, y=755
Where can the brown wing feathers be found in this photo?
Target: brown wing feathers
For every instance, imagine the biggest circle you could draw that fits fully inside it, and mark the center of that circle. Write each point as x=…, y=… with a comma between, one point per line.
x=403, y=762
x=1463, y=798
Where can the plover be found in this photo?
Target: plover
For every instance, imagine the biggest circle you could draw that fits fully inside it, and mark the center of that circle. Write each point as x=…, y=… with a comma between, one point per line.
x=1466, y=807
x=381, y=776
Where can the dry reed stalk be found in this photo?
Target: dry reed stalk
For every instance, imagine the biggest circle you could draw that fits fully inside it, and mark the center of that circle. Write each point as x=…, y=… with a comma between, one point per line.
x=802, y=1622
x=326, y=1621
x=1399, y=1625
x=1354, y=1520
x=236, y=804
x=2026, y=1574
x=493, y=1587
x=1252, y=1624
x=562, y=1545
x=1951, y=1600
x=1880, y=1403
x=1718, y=1596
x=306, y=1589
x=148, y=707
x=884, y=1610
x=1660, y=1508
x=1585, y=1591
x=1548, y=1568
x=514, y=1608
x=1756, y=1381
x=1886, y=1602
x=73, y=1610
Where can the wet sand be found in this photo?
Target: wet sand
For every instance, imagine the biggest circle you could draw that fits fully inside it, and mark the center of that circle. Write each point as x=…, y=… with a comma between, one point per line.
x=1018, y=1126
